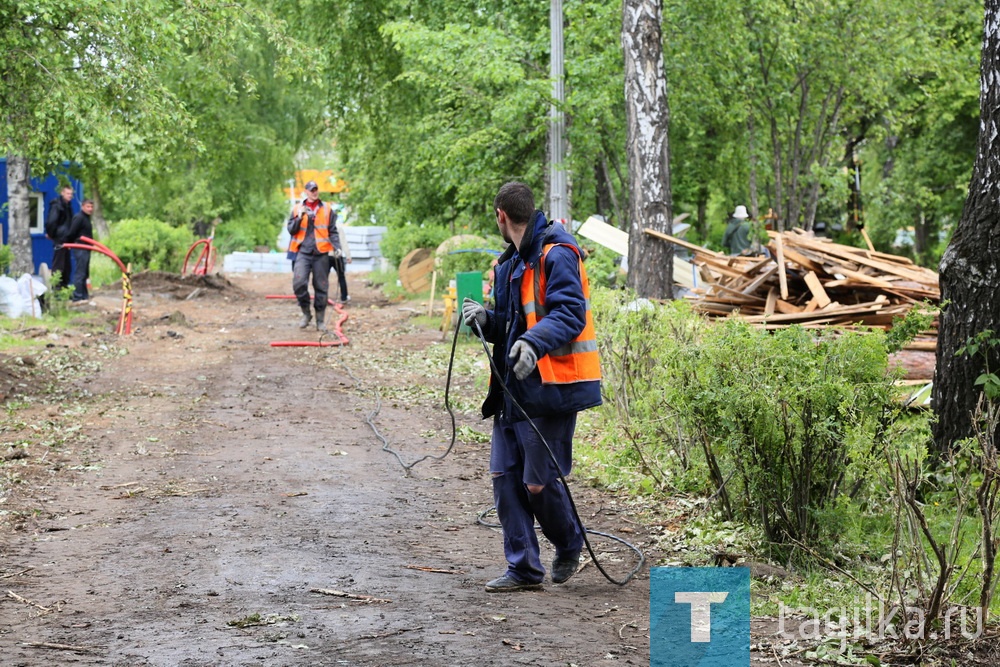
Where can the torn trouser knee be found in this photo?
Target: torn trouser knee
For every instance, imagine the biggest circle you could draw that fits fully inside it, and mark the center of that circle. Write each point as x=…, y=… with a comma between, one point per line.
x=520, y=544
x=555, y=515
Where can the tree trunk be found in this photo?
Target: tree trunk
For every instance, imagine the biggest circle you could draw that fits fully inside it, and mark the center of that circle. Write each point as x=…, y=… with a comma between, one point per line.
x=752, y=150
x=702, y=213
x=611, y=192
x=100, y=224
x=650, y=260
x=18, y=229
x=921, y=237
x=969, y=267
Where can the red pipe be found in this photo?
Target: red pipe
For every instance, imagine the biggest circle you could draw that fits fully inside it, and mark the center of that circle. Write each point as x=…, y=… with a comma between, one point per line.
x=304, y=343
x=207, y=245
x=125, y=317
x=329, y=302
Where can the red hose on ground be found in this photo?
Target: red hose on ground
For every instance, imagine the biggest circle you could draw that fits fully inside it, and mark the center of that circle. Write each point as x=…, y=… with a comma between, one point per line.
x=206, y=249
x=124, y=327
x=337, y=329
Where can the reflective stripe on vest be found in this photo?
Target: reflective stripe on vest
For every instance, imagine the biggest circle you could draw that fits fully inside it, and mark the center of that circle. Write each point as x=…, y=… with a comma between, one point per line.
x=321, y=229
x=576, y=361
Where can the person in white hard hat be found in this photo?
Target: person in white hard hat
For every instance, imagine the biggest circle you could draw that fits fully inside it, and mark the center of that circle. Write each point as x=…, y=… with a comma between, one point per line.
x=736, y=240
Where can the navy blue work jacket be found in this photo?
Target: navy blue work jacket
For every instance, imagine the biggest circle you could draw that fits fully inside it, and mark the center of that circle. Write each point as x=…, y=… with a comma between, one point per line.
x=565, y=320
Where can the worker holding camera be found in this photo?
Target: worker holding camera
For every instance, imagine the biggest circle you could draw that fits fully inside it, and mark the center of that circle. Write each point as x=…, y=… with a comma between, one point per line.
x=313, y=227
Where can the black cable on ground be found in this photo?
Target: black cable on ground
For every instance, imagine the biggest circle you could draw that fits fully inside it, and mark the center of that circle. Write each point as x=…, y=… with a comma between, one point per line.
x=370, y=417
x=579, y=522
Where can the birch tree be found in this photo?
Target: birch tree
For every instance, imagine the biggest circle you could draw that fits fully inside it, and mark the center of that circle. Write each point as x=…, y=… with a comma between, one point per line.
x=18, y=236
x=970, y=268
x=648, y=117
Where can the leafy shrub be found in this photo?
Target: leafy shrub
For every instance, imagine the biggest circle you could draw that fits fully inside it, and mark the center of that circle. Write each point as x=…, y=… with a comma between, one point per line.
x=779, y=427
x=603, y=267
x=6, y=258
x=260, y=225
x=150, y=244
x=399, y=241
x=795, y=417
x=467, y=256
x=103, y=271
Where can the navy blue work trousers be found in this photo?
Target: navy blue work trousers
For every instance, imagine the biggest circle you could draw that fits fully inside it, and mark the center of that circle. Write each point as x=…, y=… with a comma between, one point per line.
x=518, y=458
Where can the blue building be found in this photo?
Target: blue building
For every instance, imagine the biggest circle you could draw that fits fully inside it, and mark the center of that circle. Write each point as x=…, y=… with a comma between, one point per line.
x=44, y=191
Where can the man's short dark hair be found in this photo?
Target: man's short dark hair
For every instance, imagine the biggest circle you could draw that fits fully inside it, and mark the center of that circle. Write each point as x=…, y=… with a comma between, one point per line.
x=515, y=199
x=86, y=201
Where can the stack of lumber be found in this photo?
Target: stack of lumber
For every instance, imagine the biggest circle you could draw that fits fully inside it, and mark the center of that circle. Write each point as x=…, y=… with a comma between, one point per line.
x=810, y=281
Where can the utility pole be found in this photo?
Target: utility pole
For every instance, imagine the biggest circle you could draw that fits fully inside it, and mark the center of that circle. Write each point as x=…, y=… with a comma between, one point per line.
x=558, y=190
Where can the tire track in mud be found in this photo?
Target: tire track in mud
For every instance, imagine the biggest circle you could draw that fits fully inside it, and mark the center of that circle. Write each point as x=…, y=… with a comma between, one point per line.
x=242, y=479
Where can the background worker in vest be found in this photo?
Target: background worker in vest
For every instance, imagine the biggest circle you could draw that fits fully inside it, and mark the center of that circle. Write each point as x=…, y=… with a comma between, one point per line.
x=547, y=356
x=313, y=227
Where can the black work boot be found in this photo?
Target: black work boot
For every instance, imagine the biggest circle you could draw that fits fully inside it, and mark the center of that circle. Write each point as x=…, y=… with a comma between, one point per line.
x=306, y=317
x=508, y=584
x=564, y=567
x=321, y=320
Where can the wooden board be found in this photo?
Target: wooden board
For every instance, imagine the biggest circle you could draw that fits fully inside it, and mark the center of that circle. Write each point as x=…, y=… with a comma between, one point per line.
x=816, y=287
x=605, y=235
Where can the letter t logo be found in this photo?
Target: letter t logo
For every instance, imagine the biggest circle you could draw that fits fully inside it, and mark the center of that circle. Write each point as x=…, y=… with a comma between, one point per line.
x=701, y=612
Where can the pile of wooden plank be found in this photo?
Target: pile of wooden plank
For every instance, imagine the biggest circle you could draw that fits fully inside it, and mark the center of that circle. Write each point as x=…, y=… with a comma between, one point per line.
x=810, y=281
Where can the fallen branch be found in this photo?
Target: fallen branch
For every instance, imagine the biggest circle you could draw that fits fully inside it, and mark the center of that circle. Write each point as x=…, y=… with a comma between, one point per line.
x=61, y=647
x=15, y=574
x=383, y=635
x=28, y=602
x=368, y=599
x=432, y=569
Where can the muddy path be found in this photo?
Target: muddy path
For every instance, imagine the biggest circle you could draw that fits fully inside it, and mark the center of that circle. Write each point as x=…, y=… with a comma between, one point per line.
x=209, y=485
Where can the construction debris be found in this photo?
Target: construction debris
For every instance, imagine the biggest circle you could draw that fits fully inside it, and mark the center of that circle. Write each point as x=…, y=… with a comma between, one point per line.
x=810, y=281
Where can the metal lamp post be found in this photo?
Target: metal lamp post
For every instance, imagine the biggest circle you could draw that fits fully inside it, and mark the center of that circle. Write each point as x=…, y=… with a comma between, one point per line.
x=558, y=188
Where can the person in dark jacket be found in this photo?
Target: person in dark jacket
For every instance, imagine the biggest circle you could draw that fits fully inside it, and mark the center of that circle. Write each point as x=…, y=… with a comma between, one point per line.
x=57, y=229
x=736, y=239
x=545, y=351
x=81, y=226
x=339, y=259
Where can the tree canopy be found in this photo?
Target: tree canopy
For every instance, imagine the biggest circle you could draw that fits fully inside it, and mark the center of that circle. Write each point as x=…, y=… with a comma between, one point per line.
x=195, y=109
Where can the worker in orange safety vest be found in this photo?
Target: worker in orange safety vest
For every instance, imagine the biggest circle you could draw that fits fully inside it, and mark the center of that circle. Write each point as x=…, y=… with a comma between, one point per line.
x=313, y=227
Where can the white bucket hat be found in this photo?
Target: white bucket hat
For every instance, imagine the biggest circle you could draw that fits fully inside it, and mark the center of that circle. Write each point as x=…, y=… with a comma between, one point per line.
x=741, y=213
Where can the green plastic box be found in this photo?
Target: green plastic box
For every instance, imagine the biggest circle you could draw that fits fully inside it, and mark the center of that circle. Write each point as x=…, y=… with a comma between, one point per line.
x=468, y=284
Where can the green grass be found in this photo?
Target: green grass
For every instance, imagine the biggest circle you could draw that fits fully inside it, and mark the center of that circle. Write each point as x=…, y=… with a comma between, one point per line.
x=103, y=271
x=388, y=282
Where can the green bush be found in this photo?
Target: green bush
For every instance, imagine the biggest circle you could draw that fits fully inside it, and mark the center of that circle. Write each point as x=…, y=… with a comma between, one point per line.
x=150, y=244
x=467, y=258
x=6, y=258
x=603, y=267
x=259, y=226
x=398, y=242
x=780, y=428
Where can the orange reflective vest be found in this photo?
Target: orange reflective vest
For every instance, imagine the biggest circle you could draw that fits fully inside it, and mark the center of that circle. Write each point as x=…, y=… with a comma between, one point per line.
x=577, y=361
x=321, y=227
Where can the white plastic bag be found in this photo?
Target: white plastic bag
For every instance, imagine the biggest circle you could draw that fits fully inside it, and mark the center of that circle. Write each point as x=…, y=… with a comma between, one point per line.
x=30, y=289
x=11, y=304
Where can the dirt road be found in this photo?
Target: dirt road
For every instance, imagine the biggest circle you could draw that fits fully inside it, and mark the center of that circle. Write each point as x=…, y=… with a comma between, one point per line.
x=200, y=486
